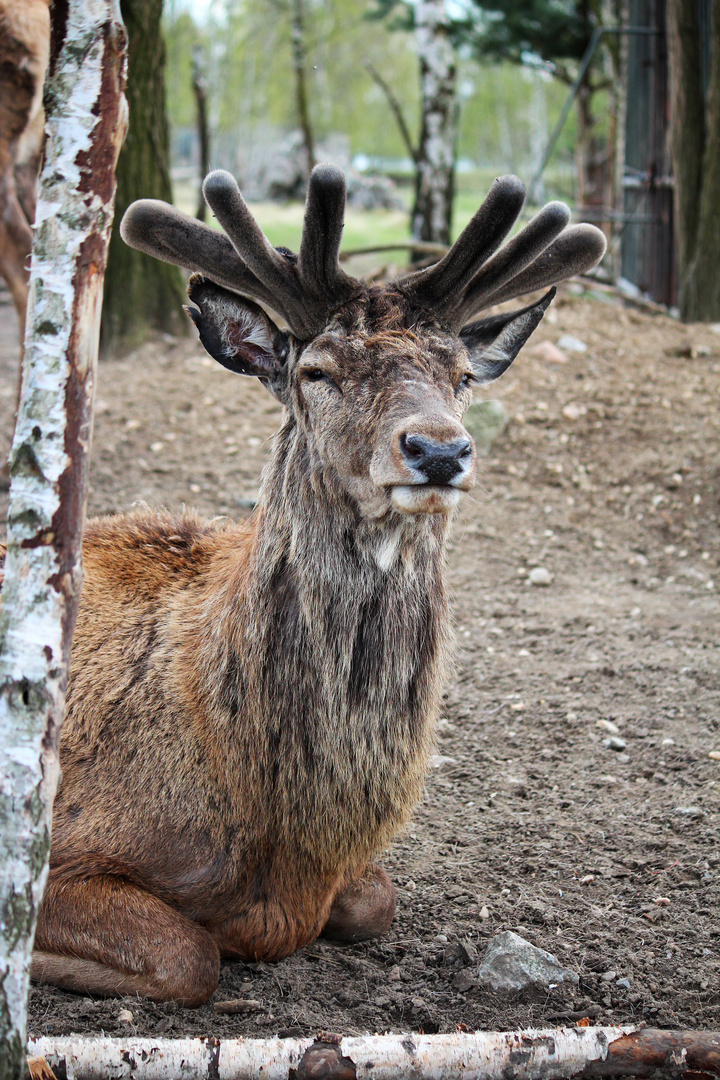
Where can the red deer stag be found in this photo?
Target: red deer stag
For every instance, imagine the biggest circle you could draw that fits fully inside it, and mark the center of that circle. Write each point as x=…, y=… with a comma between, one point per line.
x=251, y=706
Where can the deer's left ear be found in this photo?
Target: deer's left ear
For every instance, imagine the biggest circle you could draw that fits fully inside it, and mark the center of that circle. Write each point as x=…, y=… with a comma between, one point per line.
x=237, y=333
x=494, y=343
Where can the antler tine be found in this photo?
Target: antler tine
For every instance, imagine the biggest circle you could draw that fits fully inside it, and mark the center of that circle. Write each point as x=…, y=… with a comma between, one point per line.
x=441, y=284
x=160, y=230
x=274, y=270
x=321, y=237
x=514, y=257
x=575, y=251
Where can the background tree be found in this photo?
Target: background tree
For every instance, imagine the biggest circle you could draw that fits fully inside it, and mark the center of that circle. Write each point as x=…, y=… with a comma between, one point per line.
x=434, y=155
x=557, y=33
x=695, y=147
x=142, y=294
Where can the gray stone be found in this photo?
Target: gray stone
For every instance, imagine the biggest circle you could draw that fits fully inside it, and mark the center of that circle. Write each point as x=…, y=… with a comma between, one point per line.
x=513, y=966
x=486, y=420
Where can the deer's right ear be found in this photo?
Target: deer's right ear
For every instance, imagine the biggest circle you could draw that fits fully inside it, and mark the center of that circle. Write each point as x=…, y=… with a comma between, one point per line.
x=237, y=333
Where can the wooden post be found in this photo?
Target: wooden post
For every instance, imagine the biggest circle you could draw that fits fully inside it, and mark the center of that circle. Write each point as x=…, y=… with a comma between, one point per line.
x=86, y=119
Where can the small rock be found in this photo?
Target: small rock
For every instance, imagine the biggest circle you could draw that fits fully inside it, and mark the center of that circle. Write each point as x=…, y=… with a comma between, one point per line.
x=625, y=983
x=469, y=949
x=486, y=420
x=571, y=343
x=607, y=725
x=125, y=1016
x=573, y=411
x=661, y=901
x=668, y=742
x=157, y=447
x=513, y=966
x=484, y=912
x=587, y=880
x=394, y=973
x=545, y=350
x=463, y=981
x=608, y=976
x=540, y=576
x=691, y=812
x=438, y=760
x=714, y=755
x=614, y=743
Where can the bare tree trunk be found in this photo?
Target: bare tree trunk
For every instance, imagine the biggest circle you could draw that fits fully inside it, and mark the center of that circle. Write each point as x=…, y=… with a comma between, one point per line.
x=435, y=161
x=142, y=294
x=695, y=143
x=199, y=83
x=297, y=35
x=85, y=125
x=704, y=294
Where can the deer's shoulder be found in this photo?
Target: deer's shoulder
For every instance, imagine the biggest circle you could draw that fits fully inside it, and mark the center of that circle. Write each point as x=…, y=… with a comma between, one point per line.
x=150, y=551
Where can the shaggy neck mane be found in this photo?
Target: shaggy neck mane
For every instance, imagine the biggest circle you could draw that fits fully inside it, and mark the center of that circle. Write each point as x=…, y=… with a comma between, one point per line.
x=338, y=637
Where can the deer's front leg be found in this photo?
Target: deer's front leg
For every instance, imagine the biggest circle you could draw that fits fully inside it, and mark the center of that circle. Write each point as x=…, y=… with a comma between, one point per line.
x=363, y=908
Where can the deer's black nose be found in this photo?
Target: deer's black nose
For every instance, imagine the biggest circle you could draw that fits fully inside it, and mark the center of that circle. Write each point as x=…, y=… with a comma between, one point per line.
x=437, y=460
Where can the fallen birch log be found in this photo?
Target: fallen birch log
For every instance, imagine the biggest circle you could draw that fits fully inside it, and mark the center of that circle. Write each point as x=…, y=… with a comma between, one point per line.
x=519, y=1055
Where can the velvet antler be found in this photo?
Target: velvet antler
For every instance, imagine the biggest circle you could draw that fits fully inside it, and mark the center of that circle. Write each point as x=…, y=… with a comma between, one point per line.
x=545, y=252
x=305, y=290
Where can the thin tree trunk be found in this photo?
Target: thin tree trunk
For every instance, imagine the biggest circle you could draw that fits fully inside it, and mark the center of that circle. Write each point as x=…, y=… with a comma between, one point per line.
x=435, y=161
x=395, y=108
x=199, y=84
x=297, y=35
x=48, y=466
x=703, y=299
x=687, y=138
x=142, y=294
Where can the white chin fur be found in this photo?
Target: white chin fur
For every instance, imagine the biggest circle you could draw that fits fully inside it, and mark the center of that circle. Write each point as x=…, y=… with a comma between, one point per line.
x=424, y=499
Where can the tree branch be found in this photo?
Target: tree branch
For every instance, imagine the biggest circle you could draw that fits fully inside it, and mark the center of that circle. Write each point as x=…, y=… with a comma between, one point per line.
x=395, y=107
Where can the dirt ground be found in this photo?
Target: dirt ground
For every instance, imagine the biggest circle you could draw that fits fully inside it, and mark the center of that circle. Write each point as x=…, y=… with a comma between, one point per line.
x=608, y=476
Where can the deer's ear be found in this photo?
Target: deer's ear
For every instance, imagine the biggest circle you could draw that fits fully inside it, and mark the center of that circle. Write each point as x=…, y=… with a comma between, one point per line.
x=494, y=343
x=236, y=332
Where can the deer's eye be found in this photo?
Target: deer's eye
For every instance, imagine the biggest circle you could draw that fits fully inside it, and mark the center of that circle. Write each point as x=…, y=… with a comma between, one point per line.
x=318, y=375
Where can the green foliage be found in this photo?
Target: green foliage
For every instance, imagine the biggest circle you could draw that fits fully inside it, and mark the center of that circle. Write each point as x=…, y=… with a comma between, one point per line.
x=505, y=115
x=553, y=30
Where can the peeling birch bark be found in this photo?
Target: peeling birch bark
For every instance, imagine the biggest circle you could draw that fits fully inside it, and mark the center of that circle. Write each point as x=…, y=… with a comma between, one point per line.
x=523, y=1055
x=435, y=160
x=48, y=468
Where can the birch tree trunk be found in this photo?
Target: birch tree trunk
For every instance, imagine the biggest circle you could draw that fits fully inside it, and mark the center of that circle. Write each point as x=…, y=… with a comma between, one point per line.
x=435, y=161
x=48, y=468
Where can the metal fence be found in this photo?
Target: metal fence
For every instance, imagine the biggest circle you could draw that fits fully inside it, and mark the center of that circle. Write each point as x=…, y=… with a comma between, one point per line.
x=647, y=246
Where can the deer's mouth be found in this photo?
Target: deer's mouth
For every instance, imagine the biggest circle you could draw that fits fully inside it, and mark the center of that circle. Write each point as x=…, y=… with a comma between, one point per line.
x=425, y=498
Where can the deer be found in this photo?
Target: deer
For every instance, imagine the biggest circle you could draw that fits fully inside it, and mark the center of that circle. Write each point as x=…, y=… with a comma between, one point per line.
x=251, y=706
